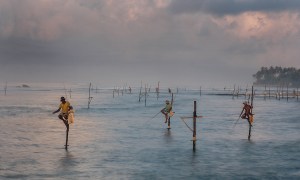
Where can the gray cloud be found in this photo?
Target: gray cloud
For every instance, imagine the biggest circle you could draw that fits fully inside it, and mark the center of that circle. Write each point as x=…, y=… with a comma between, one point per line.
x=232, y=7
x=27, y=51
x=121, y=41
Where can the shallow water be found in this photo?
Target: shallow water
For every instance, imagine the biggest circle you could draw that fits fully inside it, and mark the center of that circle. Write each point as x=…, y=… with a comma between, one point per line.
x=118, y=139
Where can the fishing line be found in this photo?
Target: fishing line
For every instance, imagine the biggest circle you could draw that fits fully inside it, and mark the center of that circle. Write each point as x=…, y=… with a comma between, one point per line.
x=182, y=118
x=153, y=117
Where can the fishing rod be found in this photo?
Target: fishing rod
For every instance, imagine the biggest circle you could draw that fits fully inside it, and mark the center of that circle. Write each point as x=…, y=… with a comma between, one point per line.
x=238, y=118
x=153, y=117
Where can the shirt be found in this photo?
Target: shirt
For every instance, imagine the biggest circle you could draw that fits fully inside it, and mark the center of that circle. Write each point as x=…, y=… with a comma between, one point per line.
x=64, y=107
x=168, y=108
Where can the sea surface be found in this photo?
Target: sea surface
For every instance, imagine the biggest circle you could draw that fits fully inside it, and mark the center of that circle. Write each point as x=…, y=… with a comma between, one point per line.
x=123, y=137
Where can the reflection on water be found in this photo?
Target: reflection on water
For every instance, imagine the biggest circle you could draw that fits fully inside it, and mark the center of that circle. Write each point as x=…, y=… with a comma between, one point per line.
x=117, y=138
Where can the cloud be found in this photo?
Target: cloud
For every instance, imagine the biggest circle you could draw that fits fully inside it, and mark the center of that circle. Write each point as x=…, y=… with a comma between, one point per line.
x=145, y=39
x=233, y=7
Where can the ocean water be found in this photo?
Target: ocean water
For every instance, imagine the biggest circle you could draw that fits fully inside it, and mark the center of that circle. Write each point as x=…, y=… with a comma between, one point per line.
x=121, y=138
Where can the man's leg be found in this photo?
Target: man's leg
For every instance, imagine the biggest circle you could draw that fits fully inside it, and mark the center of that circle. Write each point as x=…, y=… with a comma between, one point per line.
x=64, y=118
x=60, y=116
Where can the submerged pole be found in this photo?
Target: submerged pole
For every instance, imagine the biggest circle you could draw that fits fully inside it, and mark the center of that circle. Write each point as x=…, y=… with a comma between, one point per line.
x=169, y=123
x=194, y=125
x=287, y=92
x=157, y=90
x=70, y=92
x=249, y=135
x=265, y=92
x=145, y=95
x=140, y=95
x=67, y=136
x=250, y=125
x=169, y=118
x=233, y=92
x=297, y=94
x=90, y=98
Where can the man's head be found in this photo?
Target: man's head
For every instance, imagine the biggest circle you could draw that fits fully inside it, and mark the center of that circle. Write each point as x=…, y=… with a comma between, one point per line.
x=245, y=102
x=62, y=99
x=167, y=101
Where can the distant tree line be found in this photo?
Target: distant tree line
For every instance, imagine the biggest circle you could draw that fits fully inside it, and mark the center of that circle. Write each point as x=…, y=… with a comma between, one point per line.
x=278, y=76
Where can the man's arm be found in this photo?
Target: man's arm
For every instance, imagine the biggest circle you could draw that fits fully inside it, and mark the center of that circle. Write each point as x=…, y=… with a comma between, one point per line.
x=56, y=111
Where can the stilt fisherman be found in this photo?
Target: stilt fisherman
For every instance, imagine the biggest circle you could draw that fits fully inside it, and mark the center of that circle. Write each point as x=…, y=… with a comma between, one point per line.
x=166, y=110
x=63, y=108
x=246, y=112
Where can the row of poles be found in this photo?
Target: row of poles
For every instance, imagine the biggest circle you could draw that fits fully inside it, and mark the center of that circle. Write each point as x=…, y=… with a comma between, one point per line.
x=147, y=90
x=281, y=92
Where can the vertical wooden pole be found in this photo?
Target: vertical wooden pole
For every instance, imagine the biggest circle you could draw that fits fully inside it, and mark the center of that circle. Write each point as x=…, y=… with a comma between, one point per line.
x=276, y=92
x=145, y=95
x=279, y=92
x=233, y=92
x=90, y=98
x=282, y=92
x=169, y=123
x=5, y=88
x=194, y=125
x=265, y=92
x=249, y=135
x=67, y=136
x=157, y=91
x=287, y=92
x=70, y=93
x=250, y=126
x=140, y=95
x=297, y=94
x=169, y=118
x=246, y=91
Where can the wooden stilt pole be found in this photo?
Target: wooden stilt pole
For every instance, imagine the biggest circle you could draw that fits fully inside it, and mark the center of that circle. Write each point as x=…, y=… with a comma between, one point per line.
x=265, y=94
x=297, y=94
x=169, y=123
x=90, y=98
x=250, y=125
x=145, y=95
x=249, y=135
x=282, y=92
x=287, y=92
x=169, y=118
x=194, y=125
x=233, y=92
x=67, y=136
x=157, y=90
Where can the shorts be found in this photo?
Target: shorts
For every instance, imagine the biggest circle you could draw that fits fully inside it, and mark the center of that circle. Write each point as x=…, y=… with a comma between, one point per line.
x=65, y=115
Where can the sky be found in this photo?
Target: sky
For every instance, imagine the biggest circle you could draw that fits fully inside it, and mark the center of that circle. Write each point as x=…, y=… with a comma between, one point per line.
x=116, y=42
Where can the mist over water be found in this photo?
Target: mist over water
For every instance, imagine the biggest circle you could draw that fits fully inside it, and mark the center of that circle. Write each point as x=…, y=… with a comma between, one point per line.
x=118, y=138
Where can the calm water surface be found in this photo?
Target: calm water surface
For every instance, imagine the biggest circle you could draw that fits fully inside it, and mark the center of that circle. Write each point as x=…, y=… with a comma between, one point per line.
x=118, y=139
